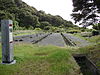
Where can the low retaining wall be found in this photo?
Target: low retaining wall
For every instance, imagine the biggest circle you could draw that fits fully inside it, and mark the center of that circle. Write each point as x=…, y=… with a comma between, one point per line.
x=86, y=65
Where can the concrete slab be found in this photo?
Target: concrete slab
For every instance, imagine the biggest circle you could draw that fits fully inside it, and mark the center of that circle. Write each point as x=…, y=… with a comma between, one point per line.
x=54, y=39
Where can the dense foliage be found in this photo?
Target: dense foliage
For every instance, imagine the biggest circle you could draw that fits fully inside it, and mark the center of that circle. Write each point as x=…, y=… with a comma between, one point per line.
x=26, y=16
x=86, y=11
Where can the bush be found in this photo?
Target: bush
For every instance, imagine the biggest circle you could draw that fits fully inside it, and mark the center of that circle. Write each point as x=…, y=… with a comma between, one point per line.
x=95, y=32
x=37, y=29
x=73, y=31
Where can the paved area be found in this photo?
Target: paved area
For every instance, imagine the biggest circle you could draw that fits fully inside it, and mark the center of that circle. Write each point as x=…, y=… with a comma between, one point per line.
x=54, y=39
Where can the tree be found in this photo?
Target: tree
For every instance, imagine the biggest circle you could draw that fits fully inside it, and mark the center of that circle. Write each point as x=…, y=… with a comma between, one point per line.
x=18, y=2
x=6, y=15
x=45, y=25
x=29, y=17
x=15, y=26
x=86, y=11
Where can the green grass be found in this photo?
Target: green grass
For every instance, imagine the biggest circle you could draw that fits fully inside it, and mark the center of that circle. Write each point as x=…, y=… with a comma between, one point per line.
x=79, y=35
x=94, y=39
x=25, y=32
x=37, y=60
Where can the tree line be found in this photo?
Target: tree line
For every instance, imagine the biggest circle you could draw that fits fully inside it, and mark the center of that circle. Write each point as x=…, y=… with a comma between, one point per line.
x=25, y=16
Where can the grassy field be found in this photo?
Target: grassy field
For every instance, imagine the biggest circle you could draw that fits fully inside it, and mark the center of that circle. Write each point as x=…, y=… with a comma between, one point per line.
x=26, y=32
x=35, y=60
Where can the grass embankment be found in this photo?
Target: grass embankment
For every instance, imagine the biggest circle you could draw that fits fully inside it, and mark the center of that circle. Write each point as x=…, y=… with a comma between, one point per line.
x=93, y=39
x=34, y=60
x=92, y=51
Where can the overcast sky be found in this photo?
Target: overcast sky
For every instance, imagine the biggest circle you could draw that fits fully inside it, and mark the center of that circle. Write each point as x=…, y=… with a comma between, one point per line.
x=54, y=7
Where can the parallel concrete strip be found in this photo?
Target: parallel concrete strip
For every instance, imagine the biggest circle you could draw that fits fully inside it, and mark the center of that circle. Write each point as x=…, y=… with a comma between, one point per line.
x=68, y=41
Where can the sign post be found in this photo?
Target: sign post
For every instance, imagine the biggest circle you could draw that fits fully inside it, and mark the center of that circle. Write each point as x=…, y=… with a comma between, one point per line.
x=7, y=41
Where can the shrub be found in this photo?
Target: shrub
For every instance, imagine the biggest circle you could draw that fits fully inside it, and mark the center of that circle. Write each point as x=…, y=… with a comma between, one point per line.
x=37, y=29
x=73, y=31
x=95, y=32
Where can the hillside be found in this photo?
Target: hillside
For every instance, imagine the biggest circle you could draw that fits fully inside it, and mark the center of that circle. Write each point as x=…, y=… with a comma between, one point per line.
x=26, y=16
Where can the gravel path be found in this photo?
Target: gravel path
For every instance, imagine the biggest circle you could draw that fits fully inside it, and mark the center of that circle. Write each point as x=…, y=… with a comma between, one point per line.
x=54, y=39
x=78, y=41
